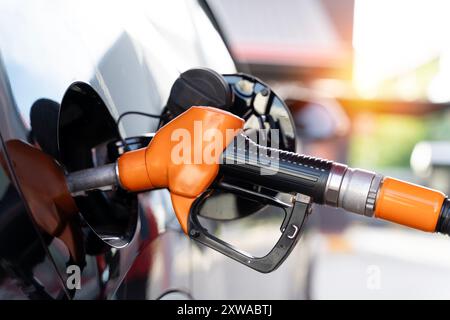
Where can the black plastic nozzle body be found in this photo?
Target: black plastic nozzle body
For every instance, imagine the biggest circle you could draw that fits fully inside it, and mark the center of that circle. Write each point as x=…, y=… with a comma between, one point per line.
x=276, y=169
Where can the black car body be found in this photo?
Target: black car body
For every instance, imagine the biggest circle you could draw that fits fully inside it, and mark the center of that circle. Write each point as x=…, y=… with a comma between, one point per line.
x=130, y=52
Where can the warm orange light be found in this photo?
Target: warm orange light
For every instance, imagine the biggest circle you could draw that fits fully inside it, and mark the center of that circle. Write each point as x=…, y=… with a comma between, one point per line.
x=392, y=38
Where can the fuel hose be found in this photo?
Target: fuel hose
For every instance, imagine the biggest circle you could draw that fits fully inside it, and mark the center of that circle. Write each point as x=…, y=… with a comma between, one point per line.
x=334, y=184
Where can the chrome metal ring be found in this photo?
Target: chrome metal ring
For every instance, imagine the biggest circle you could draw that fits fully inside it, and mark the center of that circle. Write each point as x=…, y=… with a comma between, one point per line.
x=334, y=182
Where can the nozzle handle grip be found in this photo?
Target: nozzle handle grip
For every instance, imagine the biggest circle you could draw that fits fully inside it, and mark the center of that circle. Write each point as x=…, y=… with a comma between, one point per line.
x=276, y=169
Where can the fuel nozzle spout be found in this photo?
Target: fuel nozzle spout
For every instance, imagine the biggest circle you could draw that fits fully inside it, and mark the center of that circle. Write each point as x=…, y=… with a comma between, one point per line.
x=100, y=178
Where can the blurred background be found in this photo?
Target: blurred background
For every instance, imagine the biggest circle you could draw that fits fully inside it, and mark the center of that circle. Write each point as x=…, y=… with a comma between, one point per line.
x=368, y=83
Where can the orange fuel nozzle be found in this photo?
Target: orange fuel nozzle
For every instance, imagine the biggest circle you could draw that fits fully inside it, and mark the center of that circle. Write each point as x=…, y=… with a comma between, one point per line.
x=182, y=157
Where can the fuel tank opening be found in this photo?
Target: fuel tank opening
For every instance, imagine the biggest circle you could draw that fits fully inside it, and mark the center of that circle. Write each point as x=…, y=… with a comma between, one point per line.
x=87, y=138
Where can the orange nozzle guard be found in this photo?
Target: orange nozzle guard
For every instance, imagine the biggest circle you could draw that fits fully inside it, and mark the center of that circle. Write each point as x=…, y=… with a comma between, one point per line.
x=409, y=204
x=183, y=156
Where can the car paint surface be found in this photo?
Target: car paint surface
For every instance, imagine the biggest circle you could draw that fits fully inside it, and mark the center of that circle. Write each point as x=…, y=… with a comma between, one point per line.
x=130, y=52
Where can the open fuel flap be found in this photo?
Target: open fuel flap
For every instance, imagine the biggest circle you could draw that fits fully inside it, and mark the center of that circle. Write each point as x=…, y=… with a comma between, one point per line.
x=88, y=137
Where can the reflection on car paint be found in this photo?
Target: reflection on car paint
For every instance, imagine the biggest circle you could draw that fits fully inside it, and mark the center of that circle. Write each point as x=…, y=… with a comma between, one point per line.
x=131, y=64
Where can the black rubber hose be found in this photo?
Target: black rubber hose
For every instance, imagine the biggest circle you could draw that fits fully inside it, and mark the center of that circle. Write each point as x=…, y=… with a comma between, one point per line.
x=443, y=225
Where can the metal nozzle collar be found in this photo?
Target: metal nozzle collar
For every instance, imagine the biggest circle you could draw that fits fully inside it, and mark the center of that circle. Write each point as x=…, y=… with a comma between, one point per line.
x=354, y=190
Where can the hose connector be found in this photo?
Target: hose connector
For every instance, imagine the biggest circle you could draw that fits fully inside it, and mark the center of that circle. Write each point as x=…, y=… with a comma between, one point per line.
x=354, y=190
